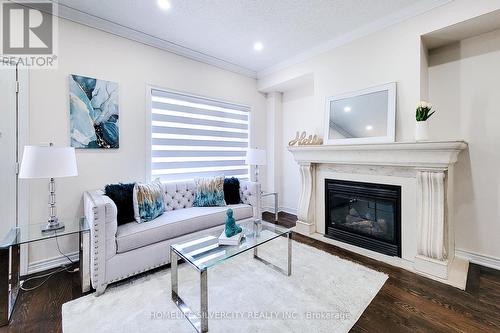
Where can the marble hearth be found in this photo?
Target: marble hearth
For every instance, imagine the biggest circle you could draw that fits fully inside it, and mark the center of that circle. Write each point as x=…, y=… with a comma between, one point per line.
x=424, y=171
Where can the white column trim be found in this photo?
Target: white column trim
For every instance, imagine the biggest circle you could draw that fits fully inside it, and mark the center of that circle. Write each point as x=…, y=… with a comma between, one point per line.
x=431, y=214
x=305, y=213
x=432, y=245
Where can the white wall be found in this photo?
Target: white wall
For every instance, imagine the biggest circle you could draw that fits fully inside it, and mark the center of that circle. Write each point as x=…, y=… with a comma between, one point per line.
x=274, y=110
x=90, y=52
x=464, y=85
x=297, y=116
x=391, y=55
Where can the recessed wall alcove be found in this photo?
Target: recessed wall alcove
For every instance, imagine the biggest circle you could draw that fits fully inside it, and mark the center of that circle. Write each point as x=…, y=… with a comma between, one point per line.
x=460, y=75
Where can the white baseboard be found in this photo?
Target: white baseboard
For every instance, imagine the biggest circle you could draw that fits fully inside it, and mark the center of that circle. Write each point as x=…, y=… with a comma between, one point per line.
x=268, y=209
x=288, y=210
x=45, y=264
x=480, y=259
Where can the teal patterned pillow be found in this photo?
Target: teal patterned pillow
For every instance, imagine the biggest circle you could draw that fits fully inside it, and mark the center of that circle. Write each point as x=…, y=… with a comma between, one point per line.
x=209, y=192
x=148, y=201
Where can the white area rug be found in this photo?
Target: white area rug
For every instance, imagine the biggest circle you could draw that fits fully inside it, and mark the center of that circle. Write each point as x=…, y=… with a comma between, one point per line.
x=324, y=294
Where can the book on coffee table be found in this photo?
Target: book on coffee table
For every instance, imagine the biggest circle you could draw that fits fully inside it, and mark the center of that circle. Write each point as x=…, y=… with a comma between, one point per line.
x=233, y=240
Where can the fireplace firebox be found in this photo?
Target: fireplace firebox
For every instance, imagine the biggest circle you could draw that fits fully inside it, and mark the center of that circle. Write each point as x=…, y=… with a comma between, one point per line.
x=364, y=214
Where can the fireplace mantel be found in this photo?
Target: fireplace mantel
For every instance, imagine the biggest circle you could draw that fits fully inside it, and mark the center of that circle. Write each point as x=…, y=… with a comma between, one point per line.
x=430, y=165
x=432, y=154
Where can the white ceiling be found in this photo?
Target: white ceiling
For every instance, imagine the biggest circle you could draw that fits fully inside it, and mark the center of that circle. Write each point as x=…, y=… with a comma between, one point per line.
x=223, y=31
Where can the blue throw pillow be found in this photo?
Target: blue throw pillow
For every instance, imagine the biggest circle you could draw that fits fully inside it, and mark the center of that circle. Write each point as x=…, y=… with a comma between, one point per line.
x=149, y=201
x=209, y=192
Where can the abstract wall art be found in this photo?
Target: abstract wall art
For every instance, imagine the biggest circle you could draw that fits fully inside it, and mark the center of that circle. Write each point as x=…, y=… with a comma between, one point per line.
x=94, y=113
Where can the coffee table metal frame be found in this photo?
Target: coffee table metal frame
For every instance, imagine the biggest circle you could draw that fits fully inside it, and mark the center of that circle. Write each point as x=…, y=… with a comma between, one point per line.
x=200, y=321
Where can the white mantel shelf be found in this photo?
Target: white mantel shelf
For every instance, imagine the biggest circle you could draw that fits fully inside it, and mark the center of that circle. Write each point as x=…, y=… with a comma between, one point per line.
x=429, y=154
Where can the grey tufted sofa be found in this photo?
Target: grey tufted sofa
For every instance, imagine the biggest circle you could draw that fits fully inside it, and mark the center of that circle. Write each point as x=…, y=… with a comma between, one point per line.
x=118, y=252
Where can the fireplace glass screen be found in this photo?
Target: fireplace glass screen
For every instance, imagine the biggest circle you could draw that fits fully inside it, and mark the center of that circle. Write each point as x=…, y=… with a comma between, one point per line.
x=370, y=217
x=363, y=214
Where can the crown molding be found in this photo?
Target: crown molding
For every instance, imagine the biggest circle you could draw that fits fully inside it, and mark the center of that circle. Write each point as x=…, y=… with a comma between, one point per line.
x=102, y=24
x=368, y=29
x=99, y=23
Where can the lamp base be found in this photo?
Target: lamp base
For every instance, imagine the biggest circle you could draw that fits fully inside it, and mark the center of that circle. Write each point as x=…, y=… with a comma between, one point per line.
x=52, y=225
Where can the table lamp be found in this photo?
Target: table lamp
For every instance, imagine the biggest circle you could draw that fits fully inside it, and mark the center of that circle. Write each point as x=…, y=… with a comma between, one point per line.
x=49, y=162
x=256, y=157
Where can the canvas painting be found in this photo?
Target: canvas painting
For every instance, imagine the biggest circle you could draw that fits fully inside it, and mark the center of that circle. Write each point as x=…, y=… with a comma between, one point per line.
x=94, y=113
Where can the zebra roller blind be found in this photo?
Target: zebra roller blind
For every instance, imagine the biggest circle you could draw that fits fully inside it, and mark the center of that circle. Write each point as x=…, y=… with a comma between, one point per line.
x=197, y=137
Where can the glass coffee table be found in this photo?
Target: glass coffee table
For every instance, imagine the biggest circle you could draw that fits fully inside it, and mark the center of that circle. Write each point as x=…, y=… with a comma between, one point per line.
x=205, y=252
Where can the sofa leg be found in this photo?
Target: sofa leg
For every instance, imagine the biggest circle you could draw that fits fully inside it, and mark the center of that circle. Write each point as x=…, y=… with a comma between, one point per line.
x=100, y=290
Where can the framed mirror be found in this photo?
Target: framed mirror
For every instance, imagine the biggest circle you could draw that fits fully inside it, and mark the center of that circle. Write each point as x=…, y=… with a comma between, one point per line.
x=365, y=116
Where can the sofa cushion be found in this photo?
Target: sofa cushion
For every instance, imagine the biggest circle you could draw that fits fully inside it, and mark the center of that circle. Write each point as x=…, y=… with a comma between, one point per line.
x=122, y=196
x=209, y=192
x=232, y=191
x=174, y=224
x=149, y=201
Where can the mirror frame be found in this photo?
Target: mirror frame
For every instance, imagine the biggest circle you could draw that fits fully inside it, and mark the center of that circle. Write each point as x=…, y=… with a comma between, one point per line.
x=391, y=116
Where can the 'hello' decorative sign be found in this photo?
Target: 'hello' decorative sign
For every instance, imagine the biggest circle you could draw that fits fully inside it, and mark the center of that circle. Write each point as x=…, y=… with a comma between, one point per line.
x=304, y=140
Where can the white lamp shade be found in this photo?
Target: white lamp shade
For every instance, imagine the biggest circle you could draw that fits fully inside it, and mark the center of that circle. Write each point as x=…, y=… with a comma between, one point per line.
x=256, y=157
x=48, y=162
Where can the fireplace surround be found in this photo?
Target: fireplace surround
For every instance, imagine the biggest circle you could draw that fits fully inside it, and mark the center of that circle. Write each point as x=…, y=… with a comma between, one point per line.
x=425, y=172
x=364, y=214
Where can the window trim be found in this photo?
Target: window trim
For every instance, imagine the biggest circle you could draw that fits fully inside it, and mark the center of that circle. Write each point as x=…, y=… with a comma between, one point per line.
x=150, y=87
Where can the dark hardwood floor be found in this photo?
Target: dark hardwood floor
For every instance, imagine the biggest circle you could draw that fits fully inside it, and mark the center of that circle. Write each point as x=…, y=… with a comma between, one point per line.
x=411, y=303
x=406, y=303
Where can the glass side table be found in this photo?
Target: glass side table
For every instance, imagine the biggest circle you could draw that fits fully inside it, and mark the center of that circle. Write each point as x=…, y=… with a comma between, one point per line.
x=267, y=194
x=25, y=234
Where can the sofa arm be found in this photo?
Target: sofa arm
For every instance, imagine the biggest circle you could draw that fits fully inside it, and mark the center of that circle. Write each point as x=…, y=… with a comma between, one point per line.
x=100, y=212
x=250, y=193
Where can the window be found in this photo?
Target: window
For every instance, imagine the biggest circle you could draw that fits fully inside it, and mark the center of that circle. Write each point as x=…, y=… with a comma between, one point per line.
x=197, y=137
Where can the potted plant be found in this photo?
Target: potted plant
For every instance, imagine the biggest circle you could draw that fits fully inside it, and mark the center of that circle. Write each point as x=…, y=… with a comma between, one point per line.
x=424, y=112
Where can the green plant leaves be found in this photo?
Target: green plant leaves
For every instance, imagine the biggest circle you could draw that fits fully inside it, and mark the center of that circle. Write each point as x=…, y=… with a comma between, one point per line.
x=423, y=113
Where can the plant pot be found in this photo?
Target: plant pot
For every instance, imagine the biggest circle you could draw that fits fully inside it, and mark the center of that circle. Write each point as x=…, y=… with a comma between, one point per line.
x=422, y=131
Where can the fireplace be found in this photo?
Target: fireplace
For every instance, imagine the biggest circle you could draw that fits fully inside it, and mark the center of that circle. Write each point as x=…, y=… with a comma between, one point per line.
x=364, y=214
